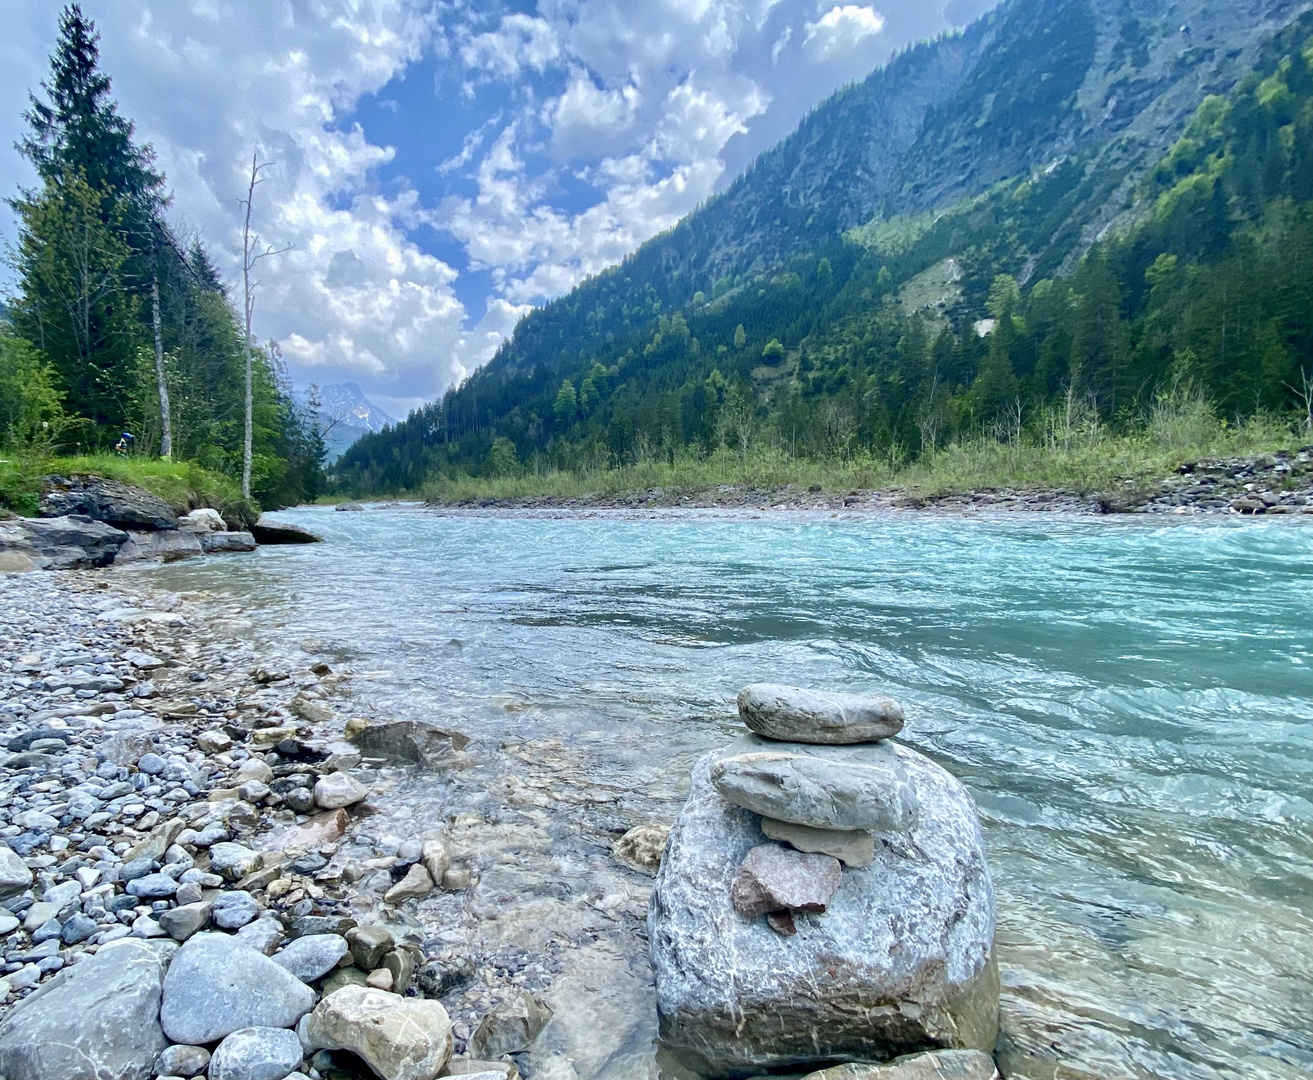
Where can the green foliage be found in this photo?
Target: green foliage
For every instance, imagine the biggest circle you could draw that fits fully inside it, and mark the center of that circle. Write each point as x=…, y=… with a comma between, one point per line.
x=566, y=404
x=92, y=243
x=31, y=413
x=502, y=458
x=773, y=353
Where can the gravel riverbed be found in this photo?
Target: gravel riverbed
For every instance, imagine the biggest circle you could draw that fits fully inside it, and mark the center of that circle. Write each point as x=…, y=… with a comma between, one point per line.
x=1279, y=483
x=162, y=782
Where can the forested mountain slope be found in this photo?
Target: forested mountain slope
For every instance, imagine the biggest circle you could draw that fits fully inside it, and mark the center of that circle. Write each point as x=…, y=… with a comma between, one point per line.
x=829, y=298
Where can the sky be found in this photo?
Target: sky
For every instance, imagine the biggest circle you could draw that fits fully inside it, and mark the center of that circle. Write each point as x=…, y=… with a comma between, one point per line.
x=439, y=167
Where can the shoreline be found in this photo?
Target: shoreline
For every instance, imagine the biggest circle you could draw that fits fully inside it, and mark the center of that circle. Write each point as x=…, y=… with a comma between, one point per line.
x=452, y=859
x=1275, y=485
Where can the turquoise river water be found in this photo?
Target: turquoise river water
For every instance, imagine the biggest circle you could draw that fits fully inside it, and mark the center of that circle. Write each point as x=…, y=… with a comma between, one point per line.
x=1130, y=703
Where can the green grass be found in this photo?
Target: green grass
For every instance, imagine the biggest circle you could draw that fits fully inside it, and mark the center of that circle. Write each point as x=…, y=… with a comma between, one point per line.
x=1058, y=456
x=183, y=485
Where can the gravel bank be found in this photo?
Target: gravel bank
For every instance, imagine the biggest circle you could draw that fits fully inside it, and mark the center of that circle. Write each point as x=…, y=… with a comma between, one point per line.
x=1280, y=483
x=162, y=784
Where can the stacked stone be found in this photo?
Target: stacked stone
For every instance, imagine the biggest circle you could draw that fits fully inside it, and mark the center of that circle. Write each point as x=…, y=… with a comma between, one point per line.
x=821, y=810
x=867, y=862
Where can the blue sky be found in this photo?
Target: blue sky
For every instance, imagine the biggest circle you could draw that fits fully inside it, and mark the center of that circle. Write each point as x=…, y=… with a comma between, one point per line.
x=443, y=166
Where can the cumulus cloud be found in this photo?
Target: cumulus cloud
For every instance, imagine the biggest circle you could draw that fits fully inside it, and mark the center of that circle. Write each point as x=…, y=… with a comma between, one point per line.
x=840, y=30
x=207, y=84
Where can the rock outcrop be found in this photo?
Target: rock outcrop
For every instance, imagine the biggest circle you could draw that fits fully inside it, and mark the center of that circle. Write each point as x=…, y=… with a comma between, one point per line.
x=900, y=960
x=62, y=543
x=110, y=501
x=167, y=546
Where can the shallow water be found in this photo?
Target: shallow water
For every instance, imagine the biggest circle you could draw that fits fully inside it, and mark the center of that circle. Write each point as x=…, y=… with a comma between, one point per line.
x=1130, y=703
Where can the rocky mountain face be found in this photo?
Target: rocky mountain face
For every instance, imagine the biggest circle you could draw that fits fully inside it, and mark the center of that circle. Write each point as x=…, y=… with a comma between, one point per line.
x=345, y=414
x=1030, y=83
x=1108, y=83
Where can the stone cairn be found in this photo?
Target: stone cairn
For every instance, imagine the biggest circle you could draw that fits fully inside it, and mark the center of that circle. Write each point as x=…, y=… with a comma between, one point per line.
x=824, y=897
x=821, y=816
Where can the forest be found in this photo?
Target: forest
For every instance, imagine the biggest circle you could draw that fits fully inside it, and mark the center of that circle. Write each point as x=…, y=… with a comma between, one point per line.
x=120, y=324
x=912, y=334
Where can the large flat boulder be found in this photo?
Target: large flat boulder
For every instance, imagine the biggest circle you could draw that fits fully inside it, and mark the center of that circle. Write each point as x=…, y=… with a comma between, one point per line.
x=901, y=960
x=110, y=501
x=97, y=1020
x=165, y=546
x=62, y=543
x=268, y=531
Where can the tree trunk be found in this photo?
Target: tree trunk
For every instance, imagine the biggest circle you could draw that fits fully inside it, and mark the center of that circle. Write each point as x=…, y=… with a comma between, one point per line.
x=166, y=421
x=247, y=304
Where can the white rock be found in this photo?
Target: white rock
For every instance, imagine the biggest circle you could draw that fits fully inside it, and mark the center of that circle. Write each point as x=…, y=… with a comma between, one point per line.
x=337, y=790
x=399, y=1038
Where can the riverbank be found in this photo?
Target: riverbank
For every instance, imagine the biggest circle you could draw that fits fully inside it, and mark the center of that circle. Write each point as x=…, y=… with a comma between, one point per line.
x=150, y=740
x=1276, y=483
x=162, y=781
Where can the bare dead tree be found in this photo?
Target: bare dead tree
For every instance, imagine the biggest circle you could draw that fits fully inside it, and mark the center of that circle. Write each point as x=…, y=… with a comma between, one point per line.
x=250, y=257
x=166, y=418
x=1304, y=395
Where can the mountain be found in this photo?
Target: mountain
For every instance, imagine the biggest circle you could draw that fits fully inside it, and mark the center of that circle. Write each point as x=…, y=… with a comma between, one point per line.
x=345, y=414
x=831, y=294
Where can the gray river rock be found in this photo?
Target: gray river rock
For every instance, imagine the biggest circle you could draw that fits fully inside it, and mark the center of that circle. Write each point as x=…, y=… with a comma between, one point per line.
x=98, y=1020
x=822, y=787
x=256, y=1053
x=792, y=714
x=399, y=1038
x=854, y=847
x=902, y=959
x=216, y=986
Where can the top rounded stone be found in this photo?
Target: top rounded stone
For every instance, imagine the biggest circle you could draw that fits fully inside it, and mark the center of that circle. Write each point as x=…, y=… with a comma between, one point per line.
x=791, y=714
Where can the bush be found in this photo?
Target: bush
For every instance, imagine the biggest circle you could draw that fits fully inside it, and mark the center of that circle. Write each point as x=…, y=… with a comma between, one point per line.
x=31, y=410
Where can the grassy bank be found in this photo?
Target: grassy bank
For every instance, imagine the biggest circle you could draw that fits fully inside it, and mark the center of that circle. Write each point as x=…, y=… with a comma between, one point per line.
x=183, y=485
x=1085, y=460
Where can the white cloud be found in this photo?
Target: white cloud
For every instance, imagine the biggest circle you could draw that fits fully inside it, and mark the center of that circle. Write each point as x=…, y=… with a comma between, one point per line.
x=591, y=120
x=208, y=82
x=519, y=41
x=840, y=30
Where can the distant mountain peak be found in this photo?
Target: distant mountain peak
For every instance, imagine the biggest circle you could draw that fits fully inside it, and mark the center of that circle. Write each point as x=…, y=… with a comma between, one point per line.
x=345, y=414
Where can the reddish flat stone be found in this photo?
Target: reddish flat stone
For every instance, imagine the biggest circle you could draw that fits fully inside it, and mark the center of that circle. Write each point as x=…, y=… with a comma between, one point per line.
x=775, y=878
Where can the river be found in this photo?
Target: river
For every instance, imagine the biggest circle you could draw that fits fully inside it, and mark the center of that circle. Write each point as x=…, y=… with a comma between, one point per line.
x=1129, y=702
